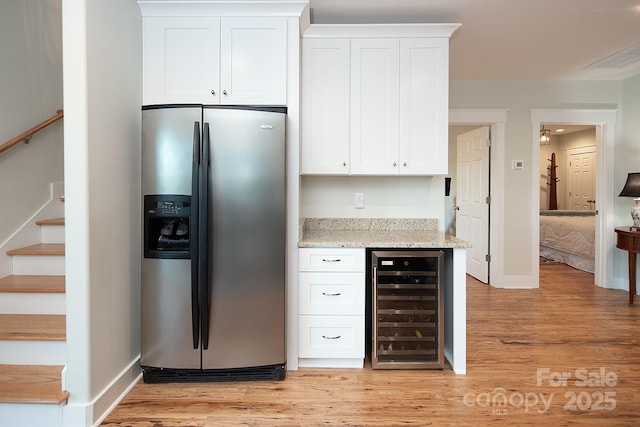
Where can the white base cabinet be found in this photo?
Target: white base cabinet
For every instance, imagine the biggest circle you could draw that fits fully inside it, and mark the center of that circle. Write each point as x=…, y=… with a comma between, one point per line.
x=331, y=307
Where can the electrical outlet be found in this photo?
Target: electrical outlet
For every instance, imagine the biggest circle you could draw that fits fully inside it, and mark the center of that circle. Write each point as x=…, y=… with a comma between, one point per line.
x=358, y=200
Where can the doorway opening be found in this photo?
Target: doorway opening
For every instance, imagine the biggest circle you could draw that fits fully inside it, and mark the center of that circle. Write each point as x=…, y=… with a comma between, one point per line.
x=568, y=195
x=604, y=123
x=461, y=121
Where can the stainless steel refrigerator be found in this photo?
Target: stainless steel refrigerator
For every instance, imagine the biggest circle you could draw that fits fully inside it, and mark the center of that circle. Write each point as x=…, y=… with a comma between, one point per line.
x=213, y=268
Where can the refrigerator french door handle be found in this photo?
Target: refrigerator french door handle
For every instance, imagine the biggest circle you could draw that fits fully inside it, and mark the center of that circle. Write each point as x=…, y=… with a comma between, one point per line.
x=193, y=241
x=203, y=230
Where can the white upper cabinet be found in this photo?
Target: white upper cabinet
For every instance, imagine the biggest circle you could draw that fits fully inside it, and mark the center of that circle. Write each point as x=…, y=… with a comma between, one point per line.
x=325, y=106
x=213, y=60
x=395, y=117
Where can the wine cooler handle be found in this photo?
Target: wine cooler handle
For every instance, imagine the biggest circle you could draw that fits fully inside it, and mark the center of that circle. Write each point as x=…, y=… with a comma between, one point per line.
x=328, y=294
x=331, y=260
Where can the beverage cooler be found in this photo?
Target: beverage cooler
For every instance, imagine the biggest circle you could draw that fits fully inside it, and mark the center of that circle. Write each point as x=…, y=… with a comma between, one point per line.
x=407, y=309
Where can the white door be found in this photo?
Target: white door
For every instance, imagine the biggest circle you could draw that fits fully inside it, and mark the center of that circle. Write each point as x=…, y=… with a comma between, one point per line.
x=472, y=218
x=582, y=178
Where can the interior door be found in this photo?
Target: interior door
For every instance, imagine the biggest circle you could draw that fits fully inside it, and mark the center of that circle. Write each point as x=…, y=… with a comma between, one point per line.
x=582, y=178
x=472, y=218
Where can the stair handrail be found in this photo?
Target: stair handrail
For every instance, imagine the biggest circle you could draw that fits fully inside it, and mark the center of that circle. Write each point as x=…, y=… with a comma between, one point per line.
x=26, y=136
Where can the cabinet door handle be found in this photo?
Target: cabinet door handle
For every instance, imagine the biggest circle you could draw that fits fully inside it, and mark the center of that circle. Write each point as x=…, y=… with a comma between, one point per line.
x=224, y=92
x=213, y=92
x=328, y=294
x=404, y=164
x=337, y=337
x=344, y=163
x=394, y=163
x=331, y=260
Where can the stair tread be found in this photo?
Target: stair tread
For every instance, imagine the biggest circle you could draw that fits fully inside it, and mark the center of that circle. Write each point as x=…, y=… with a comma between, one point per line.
x=53, y=221
x=39, y=249
x=31, y=384
x=33, y=284
x=33, y=327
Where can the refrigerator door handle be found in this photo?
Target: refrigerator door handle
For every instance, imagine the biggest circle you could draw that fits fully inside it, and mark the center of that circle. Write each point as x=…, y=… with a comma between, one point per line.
x=193, y=241
x=203, y=230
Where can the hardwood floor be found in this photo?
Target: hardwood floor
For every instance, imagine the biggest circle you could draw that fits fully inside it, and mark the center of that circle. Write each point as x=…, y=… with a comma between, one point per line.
x=565, y=354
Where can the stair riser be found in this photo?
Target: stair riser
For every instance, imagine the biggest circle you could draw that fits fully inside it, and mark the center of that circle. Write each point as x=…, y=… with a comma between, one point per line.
x=52, y=233
x=29, y=415
x=33, y=353
x=32, y=303
x=38, y=264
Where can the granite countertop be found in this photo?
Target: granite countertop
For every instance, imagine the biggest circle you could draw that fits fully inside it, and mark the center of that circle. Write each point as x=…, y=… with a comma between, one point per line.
x=375, y=233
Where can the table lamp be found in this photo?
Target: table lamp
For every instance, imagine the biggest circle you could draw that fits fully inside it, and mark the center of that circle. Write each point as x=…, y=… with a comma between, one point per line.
x=632, y=189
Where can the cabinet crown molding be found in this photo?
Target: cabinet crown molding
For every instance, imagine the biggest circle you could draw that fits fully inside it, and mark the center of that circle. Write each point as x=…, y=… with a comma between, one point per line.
x=293, y=8
x=380, y=30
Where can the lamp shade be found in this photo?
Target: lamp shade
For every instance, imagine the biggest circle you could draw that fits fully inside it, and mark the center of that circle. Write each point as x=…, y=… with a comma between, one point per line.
x=632, y=186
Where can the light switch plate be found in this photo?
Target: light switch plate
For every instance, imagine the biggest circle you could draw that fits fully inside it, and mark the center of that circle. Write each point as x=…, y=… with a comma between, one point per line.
x=358, y=200
x=517, y=164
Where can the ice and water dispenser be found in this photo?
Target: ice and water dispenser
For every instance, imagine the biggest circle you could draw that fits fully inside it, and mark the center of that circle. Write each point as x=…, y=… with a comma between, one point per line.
x=166, y=226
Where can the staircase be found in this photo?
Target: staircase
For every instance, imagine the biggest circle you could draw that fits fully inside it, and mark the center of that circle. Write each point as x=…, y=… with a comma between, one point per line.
x=33, y=332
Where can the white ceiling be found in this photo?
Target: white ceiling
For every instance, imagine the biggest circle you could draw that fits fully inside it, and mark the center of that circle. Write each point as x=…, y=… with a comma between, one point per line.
x=512, y=39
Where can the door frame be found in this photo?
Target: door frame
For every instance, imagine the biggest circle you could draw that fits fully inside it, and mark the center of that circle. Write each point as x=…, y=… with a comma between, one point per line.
x=496, y=119
x=604, y=120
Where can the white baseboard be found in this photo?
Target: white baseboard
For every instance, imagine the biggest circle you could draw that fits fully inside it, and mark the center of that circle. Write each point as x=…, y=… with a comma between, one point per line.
x=94, y=412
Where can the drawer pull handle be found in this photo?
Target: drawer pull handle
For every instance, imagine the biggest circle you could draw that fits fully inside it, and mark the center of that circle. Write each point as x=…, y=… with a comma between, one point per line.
x=337, y=337
x=336, y=294
x=331, y=260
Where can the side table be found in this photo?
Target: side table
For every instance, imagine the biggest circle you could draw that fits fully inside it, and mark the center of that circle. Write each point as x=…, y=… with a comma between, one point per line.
x=629, y=240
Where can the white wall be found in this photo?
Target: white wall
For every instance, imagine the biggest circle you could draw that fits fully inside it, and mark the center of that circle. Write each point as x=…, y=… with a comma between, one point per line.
x=519, y=97
x=31, y=88
x=102, y=91
x=627, y=159
x=384, y=197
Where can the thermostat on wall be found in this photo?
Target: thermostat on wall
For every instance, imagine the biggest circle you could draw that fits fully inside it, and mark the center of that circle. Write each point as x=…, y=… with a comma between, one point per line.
x=517, y=164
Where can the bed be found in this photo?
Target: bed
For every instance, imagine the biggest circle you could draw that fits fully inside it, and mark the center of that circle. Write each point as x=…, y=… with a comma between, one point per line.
x=568, y=237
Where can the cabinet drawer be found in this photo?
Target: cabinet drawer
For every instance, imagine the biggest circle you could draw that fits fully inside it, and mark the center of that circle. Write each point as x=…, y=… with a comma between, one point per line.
x=332, y=336
x=332, y=293
x=332, y=259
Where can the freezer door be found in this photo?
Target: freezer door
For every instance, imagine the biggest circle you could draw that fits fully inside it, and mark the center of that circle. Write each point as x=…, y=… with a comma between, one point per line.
x=167, y=146
x=167, y=332
x=166, y=339
x=247, y=239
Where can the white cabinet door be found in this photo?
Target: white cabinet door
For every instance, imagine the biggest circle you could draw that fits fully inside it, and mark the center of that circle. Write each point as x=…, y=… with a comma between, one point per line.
x=180, y=62
x=253, y=61
x=325, y=106
x=374, y=106
x=424, y=93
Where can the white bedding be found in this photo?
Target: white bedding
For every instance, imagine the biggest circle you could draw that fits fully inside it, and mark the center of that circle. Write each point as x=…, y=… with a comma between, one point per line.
x=569, y=239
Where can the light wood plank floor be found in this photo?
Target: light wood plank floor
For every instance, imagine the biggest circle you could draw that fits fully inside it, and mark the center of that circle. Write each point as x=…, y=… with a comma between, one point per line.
x=565, y=354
